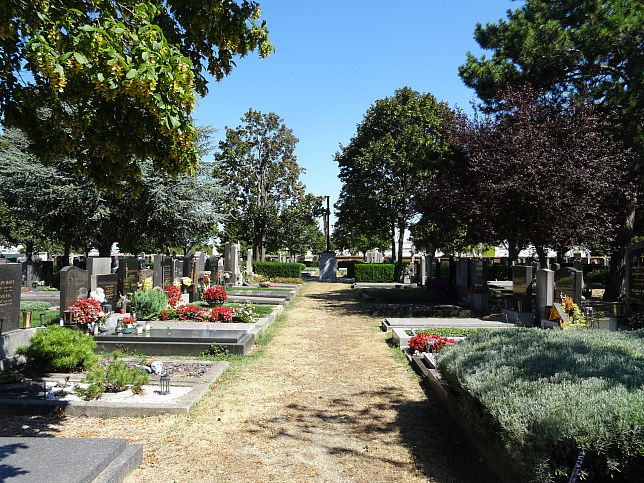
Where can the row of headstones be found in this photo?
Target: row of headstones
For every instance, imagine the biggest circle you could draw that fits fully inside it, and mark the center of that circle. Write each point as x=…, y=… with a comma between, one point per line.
x=76, y=283
x=550, y=285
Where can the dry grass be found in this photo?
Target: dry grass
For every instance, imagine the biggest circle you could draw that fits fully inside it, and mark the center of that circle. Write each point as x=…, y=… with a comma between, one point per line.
x=324, y=401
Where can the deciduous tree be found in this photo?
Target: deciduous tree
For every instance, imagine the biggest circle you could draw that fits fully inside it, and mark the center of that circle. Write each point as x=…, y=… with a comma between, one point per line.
x=111, y=83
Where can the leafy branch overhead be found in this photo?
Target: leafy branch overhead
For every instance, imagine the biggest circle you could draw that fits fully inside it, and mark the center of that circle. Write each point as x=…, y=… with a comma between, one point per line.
x=112, y=83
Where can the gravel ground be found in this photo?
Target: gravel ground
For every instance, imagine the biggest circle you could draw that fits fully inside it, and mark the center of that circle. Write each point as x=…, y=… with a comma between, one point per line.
x=325, y=402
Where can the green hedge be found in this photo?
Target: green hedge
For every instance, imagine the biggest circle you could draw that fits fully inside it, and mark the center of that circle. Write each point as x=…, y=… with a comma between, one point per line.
x=598, y=275
x=277, y=269
x=543, y=396
x=374, y=272
x=350, y=265
x=498, y=271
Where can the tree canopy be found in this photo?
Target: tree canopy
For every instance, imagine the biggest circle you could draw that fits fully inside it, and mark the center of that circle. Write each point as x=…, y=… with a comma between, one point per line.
x=385, y=167
x=110, y=83
x=258, y=167
x=584, y=49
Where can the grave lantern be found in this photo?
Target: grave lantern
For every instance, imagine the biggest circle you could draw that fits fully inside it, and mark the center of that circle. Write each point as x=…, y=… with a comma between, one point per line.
x=164, y=384
x=42, y=320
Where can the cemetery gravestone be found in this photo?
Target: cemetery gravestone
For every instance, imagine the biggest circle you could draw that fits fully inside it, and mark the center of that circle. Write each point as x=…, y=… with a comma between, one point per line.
x=146, y=279
x=521, y=279
x=249, y=262
x=28, y=273
x=74, y=286
x=462, y=276
x=10, y=278
x=98, y=266
x=478, y=275
x=167, y=276
x=157, y=279
x=128, y=275
x=569, y=281
x=110, y=285
x=635, y=276
x=328, y=265
x=177, y=269
x=545, y=292
x=46, y=270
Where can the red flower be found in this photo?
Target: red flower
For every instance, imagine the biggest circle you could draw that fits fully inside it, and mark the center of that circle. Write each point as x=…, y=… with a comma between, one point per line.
x=87, y=311
x=174, y=295
x=215, y=295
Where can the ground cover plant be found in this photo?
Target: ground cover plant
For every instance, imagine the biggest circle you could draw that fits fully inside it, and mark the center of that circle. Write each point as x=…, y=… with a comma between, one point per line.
x=448, y=331
x=59, y=349
x=545, y=396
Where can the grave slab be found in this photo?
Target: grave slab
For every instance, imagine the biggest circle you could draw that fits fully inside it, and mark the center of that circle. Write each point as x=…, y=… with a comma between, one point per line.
x=426, y=323
x=245, y=299
x=68, y=460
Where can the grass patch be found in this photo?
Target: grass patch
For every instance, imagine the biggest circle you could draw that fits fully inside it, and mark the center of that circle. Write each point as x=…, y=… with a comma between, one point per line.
x=448, y=331
x=544, y=396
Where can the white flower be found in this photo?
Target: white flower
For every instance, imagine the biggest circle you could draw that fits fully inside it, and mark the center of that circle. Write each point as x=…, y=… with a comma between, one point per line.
x=98, y=295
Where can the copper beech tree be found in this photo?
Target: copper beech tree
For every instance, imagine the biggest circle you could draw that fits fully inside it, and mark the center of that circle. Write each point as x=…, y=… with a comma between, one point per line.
x=540, y=171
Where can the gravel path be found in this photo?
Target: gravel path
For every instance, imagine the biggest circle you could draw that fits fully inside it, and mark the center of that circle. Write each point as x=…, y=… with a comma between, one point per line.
x=325, y=402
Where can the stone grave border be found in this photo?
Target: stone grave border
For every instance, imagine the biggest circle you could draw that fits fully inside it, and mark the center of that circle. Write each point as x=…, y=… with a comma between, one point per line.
x=105, y=408
x=425, y=368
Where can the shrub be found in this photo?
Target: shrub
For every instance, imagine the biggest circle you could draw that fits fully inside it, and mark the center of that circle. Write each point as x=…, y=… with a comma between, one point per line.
x=115, y=378
x=11, y=377
x=350, y=265
x=374, y=272
x=216, y=295
x=60, y=349
x=546, y=395
x=34, y=306
x=173, y=293
x=498, y=271
x=277, y=269
x=599, y=275
x=286, y=280
x=147, y=305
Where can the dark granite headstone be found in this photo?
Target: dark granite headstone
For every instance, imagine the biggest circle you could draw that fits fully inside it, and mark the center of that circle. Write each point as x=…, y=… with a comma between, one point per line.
x=157, y=279
x=110, y=285
x=10, y=278
x=521, y=278
x=74, y=285
x=478, y=275
x=635, y=274
x=211, y=264
x=46, y=270
x=128, y=275
x=28, y=273
x=569, y=281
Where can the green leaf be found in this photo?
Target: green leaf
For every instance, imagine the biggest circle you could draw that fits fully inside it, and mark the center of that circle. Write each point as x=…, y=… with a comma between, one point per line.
x=145, y=55
x=157, y=45
x=131, y=74
x=80, y=58
x=100, y=77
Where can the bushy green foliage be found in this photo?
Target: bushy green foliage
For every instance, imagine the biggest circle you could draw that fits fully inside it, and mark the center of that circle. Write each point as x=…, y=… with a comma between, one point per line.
x=498, y=271
x=374, y=272
x=449, y=331
x=59, y=349
x=277, y=269
x=10, y=377
x=350, y=265
x=598, y=275
x=34, y=306
x=147, y=305
x=546, y=395
x=116, y=377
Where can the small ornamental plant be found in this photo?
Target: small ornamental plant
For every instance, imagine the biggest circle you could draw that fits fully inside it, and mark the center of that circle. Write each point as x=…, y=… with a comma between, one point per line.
x=174, y=295
x=221, y=314
x=199, y=314
x=87, y=311
x=429, y=343
x=215, y=295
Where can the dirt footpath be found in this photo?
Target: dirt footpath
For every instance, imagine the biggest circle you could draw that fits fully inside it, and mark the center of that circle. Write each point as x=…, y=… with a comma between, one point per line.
x=325, y=402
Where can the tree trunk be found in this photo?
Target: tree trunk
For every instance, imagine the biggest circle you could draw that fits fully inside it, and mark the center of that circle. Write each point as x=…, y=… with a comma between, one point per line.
x=29, y=250
x=615, y=287
x=393, y=241
x=401, y=240
x=543, y=257
x=104, y=249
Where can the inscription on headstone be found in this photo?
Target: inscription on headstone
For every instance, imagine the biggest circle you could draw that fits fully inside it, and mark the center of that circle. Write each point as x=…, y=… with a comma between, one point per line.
x=128, y=275
x=635, y=274
x=568, y=282
x=166, y=272
x=10, y=278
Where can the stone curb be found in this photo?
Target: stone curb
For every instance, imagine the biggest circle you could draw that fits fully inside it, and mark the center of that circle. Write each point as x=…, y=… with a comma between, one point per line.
x=494, y=460
x=106, y=408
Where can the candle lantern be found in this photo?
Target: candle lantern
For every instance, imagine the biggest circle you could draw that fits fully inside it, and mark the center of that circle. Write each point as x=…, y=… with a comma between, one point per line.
x=164, y=384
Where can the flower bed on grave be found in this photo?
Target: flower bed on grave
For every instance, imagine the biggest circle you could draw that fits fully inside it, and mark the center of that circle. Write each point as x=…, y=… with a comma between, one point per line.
x=244, y=313
x=546, y=397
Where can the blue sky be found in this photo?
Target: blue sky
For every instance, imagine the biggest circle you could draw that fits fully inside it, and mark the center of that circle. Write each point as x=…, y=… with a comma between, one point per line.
x=335, y=58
